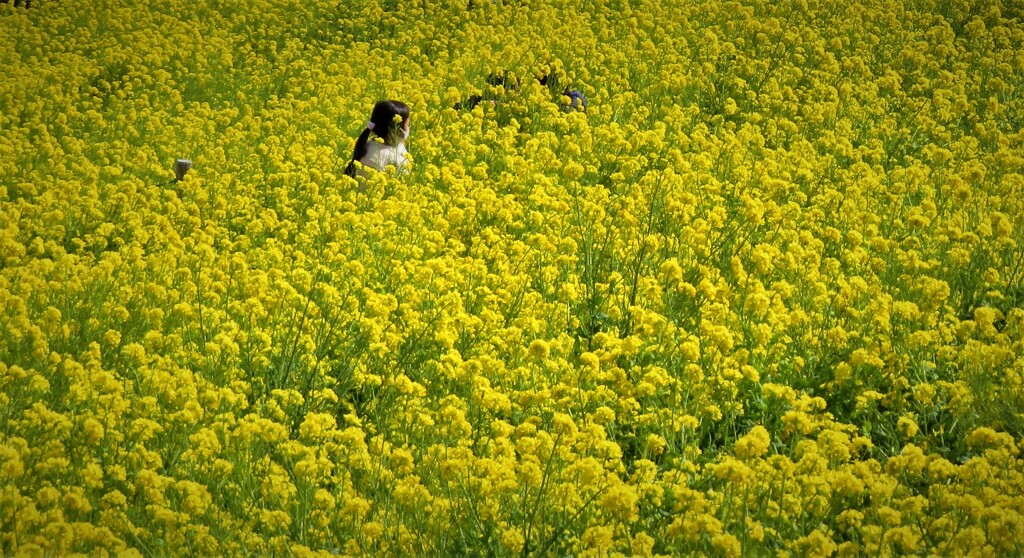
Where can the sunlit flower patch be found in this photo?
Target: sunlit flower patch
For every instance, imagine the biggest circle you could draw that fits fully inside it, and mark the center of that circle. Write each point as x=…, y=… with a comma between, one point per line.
x=661, y=278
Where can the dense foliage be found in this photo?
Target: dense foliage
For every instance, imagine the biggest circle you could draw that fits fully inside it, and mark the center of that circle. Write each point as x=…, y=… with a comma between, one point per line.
x=763, y=297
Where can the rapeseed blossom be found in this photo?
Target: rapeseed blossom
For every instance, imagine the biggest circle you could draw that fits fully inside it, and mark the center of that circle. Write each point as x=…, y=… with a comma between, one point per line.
x=763, y=295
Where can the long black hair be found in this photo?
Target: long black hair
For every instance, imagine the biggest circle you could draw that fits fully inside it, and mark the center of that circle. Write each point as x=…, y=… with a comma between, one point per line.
x=384, y=125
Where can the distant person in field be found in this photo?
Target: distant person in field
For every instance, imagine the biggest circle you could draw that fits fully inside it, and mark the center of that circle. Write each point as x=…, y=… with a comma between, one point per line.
x=509, y=84
x=505, y=80
x=382, y=142
x=549, y=77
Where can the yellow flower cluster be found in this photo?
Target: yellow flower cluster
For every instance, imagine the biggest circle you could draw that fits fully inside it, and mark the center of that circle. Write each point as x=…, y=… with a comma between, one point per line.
x=761, y=295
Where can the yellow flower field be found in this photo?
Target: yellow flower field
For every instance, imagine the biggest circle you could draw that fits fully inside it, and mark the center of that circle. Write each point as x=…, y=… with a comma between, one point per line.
x=763, y=297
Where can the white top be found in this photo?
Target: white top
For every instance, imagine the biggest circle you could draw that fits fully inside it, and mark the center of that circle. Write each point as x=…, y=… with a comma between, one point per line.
x=380, y=156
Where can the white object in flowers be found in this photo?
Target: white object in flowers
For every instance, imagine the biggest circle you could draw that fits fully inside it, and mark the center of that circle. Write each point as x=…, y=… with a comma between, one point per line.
x=380, y=155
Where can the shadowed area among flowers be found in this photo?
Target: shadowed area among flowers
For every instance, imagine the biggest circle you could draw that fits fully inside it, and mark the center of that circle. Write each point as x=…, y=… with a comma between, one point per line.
x=763, y=296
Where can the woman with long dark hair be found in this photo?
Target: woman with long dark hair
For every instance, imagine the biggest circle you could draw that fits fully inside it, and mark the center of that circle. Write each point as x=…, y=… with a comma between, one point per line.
x=382, y=142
